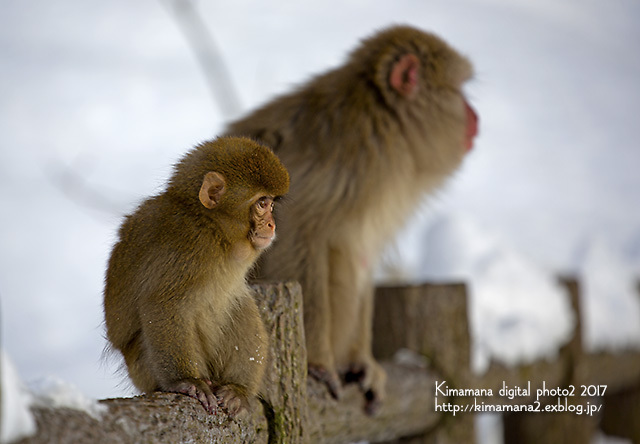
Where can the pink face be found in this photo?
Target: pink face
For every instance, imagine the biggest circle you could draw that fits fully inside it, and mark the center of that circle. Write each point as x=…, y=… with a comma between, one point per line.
x=263, y=225
x=472, y=126
x=404, y=79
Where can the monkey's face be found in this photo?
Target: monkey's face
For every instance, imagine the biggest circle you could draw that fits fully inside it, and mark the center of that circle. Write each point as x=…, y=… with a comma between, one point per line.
x=472, y=126
x=263, y=225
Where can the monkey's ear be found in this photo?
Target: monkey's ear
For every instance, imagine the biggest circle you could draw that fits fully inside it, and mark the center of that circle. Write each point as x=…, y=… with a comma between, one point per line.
x=404, y=76
x=212, y=189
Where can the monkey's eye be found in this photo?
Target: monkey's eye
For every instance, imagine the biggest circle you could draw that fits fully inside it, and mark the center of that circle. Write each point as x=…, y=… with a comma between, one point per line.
x=263, y=203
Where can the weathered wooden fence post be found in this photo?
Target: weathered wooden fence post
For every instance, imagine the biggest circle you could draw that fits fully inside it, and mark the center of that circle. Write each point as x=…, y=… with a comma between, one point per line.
x=621, y=414
x=565, y=427
x=432, y=320
x=285, y=385
x=429, y=319
x=621, y=409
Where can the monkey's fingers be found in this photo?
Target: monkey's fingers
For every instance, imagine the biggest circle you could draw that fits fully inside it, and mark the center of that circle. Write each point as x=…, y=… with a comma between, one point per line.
x=197, y=389
x=355, y=375
x=208, y=401
x=236, y=404
x=372, y=403
x=371, y=378
x=328, y=378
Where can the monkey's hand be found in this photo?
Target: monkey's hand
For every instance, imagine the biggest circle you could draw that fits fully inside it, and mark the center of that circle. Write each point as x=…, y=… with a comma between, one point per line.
x=196, y=388
x=232, y=400
x=327, y=377
x=371, y=378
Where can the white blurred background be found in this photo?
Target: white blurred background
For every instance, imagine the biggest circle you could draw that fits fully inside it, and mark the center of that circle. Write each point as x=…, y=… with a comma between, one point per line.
x=99, y=98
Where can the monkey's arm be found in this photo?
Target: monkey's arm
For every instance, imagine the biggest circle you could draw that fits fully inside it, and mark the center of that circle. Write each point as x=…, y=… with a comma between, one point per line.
x=245, y=346
x=351, y=290
x=369, y=374
x=317, y=317
x=173, y=356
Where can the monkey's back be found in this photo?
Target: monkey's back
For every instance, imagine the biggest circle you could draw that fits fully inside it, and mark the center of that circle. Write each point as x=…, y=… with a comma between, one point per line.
x=147, y=264
x=346, y=153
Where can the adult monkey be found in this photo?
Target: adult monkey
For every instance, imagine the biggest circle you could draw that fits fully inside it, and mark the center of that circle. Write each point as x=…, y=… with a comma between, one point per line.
x=363, y=143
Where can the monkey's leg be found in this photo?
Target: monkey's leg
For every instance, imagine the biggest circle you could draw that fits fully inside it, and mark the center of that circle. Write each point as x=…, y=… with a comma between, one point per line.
x=352, y=304
x=142, y=377
x=245, y=347
x=137, y=367
x=174, y=358
x=318, y=316
x=302, y=255
x=370, y=375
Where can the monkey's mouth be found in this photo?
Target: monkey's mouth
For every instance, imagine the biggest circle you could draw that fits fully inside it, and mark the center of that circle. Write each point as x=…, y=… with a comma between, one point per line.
x=261, y=242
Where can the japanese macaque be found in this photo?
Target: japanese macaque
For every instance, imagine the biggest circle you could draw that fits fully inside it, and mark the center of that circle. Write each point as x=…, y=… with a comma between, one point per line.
x=176, y=302
x=363, y=143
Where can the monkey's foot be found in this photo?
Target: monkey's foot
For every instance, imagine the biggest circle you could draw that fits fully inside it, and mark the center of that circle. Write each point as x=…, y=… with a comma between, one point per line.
x=195, y=388
x=371, y=378
x=232, y=400
x=327, y=377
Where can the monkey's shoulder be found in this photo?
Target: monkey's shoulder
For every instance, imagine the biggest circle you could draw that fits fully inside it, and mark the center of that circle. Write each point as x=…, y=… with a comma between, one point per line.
x=160, y=227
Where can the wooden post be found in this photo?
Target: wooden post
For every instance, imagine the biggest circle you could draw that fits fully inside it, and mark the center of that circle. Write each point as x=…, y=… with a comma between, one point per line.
x=407, y=410
x=429, y=319
x=558, y=426
x=285, y=384
x=432, y=320
x=621, y=410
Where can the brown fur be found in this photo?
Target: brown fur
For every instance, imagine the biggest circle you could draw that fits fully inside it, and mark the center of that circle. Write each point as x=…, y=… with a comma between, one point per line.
x=363, y=143
x=176, y=302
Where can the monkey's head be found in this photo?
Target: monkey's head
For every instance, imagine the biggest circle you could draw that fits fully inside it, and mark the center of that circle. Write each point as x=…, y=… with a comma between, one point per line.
x=233, y=181
x=418, y=74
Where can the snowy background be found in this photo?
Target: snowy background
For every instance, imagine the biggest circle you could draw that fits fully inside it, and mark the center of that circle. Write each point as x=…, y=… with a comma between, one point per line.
x=98, y=99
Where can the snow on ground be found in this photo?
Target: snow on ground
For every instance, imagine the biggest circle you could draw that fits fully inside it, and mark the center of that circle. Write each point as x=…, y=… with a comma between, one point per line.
x=518, y=311
x=17, y=421
x=51, y=391
x=611, y=301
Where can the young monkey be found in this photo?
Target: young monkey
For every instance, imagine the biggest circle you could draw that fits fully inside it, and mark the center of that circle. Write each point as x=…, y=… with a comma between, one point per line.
x=176, y=301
